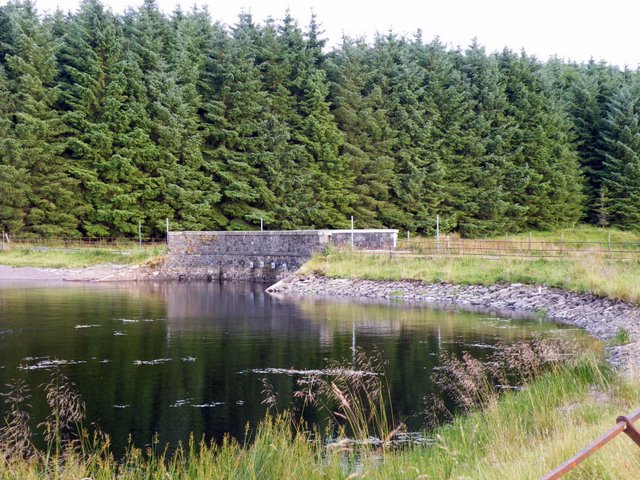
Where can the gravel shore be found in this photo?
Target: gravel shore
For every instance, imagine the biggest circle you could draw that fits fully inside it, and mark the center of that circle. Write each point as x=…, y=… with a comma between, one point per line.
x=87, y=274
x=601, y=317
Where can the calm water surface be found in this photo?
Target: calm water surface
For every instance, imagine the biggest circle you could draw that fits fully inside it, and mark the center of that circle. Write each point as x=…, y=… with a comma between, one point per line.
x=179, y=358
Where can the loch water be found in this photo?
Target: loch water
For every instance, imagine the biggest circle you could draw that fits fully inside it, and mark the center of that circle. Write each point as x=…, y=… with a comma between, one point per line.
x=178, y=358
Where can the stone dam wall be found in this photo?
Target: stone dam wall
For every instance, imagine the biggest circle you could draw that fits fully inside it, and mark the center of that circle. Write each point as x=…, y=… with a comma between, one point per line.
x=261, y=256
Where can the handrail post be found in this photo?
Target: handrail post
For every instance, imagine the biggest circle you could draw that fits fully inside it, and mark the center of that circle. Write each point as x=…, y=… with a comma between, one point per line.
x=629, y=429
x=623, y=424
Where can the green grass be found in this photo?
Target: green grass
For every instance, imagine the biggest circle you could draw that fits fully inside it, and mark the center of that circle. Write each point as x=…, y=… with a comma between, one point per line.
x=615, y=279
x=581, y=233
x=522, y=436
x=79, y=258
x=621, y=337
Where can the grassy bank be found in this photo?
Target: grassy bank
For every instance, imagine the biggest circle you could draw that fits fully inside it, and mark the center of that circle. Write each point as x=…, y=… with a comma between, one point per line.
x=602, y=277
x=77, y=258
x=581, y=233
x=521, y=436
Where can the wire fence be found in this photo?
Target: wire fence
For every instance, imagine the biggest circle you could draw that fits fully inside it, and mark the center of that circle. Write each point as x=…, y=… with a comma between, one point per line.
x=71, y=243
x=445, y=245
x=526, y=248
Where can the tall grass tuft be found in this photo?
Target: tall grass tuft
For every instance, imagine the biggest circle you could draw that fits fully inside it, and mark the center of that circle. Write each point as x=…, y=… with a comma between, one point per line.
x=356, y=396
x=15, y=434
x=475, y=384
x=66, y=410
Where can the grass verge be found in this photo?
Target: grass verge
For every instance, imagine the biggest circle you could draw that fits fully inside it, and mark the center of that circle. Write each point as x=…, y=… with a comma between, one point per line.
x=598, y=276
x=520, y=436
x=580, y=233
x=80, y=258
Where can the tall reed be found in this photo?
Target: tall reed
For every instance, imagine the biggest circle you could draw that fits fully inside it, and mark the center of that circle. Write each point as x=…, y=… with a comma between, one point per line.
x=356, y=395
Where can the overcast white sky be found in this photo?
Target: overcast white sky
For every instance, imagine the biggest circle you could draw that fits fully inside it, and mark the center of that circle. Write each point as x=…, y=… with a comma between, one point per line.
x=571, y=29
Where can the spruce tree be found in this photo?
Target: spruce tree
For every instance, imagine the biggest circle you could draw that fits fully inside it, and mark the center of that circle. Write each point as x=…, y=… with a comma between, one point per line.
x=484, y=203
x=188, y=193
x=102, y=110
x=238, y=128
x=553, y=195
x=411, y=112
x=589, y=94
x=33, y=145
x=359, y=113
x=310, y=179
x=621, y=176
x=109, y=120
x=14, y=189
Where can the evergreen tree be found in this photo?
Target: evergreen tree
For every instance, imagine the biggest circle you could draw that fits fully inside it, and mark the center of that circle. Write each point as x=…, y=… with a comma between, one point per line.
x=188, y=193
x=175, y=181
x=553, y=195
x=411, y=112
x=14, y=189
x=102, y=110
x=359, y=113
x=310, y=179
x=238, y=128
x=34, y=145
x=109, y=120
x=588, y=96
x=489, y=174
x=621, y=176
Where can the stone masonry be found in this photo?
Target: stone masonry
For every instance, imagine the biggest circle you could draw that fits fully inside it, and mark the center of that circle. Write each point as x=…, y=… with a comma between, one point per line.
x=259, y=255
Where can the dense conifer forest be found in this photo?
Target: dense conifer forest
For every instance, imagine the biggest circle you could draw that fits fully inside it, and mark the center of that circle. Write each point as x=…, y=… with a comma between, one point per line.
x=108, y=120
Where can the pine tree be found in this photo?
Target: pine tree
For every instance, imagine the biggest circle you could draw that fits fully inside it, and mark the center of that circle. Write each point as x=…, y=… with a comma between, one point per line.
x=34, y=141
x=621, y=176
x=238, y=128
x=101, y=109
x=553, y=196
x=359, y=113
x=411, y=112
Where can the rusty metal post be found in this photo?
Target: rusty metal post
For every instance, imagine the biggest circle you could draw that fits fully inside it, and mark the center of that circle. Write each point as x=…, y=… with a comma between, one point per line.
x=629, y=429
x=585, y=453
x=623, y=424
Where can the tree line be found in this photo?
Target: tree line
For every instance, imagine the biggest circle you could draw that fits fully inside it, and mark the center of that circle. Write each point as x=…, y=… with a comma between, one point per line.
x=108, y=120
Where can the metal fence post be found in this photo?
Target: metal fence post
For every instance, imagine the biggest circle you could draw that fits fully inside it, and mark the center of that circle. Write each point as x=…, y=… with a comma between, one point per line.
x=352, y=232
x=438, y=233
x=623, y=424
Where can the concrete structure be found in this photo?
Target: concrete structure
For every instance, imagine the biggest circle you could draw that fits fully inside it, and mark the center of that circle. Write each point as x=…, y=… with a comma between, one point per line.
x=259, y=255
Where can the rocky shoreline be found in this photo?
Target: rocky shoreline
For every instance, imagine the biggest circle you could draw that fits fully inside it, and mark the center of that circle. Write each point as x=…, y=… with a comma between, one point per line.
x=602, y=317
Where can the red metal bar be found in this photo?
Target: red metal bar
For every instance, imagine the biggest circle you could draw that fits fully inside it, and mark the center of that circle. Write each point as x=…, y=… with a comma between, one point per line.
x=624, y=424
